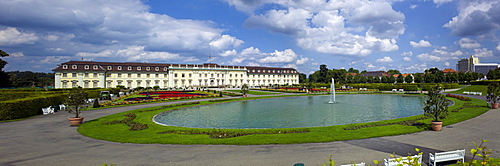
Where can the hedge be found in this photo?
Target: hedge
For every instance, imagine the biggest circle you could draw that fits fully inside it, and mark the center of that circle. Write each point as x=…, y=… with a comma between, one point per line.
x=483, y=82
x=26, y=107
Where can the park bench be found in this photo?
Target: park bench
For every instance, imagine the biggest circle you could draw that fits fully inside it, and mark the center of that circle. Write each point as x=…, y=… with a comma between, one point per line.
x=446, y=156
x=394, y=162
x=466, y=92
x=48, y=110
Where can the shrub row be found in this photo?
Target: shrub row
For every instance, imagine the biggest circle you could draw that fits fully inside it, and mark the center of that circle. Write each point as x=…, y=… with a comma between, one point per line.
x=26, y=107
x=483, y=82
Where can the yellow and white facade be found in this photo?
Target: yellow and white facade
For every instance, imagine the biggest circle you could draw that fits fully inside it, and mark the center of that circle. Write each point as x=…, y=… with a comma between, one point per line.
x=89, y=74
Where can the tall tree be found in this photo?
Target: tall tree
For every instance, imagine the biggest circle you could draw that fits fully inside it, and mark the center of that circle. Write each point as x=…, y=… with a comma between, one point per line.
x=4, y=77
x=493, y=74
x=417, y=77
x=409, y=79
x=323, y=74
x=393, y=72
x=352, y=70
x=302, y=78
x=400, y=78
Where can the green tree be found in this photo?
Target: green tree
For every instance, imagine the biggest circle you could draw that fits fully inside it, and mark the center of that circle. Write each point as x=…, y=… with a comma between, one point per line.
x=429, y=78
x=417, y=77
x=4, y=77
x=302, y=78
x=493, y=74
x=436, y=106
x=77, y=98
x=409, y=79
x=393, y=72
x=323, y=74
x=400, y=78
x=351, y=70
x=384, y=79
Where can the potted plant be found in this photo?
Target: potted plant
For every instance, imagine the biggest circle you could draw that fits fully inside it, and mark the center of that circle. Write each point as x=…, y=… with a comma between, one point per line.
x=493, y=94
x=244, y=90
x=77, y=98
x=436, y=106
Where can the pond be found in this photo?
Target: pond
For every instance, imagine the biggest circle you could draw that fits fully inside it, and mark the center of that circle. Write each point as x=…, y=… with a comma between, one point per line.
x=294, y=112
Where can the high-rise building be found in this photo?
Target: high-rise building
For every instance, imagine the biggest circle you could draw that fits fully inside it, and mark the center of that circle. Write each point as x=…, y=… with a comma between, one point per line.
x=467, y=64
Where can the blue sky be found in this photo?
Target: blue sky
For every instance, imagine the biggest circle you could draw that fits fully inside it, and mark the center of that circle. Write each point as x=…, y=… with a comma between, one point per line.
x=406, y=35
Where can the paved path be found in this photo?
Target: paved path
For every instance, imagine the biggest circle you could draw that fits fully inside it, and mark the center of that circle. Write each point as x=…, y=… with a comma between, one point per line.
x=47, y=140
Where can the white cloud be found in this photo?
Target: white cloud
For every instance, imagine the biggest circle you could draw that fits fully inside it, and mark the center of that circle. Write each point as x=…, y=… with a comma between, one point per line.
x=302, y=61
x=12, y=36
x=285, y=56
x=483, y=53
x=414, y=67
x=229, y=53
x=475, y=17
x=421, y=43
x=409, y=53
x=133, y=53
x=446, y=63
x=440, y=2
x=407, y=59
x=291, y=21
x=413, y=6
x=17, y=54
x=468, y=43
x=385, y=60
x=429, y=57
x=225, y=41
x=191, y=59
x=498, y=47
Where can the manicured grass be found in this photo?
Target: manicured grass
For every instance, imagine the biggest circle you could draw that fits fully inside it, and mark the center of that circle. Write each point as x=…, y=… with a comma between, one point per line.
x=251, y=92
x=472, y=88
x=157, y=134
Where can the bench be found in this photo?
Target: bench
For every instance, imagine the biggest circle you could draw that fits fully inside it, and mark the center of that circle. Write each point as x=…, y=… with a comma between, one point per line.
x=446, y=156
x=466, y=92
x=360, y=164
x=393, y=162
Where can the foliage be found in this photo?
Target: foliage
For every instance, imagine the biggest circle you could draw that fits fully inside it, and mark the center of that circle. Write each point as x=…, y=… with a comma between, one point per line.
x=493, y=74
x=29, y=106
x=459, y=97
x=493, y=92
x=436, y=105
x=77, y=98
x=244, y=89
x=482, y=152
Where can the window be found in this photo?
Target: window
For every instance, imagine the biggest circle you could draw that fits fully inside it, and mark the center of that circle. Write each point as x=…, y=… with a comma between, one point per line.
x=230, y=75
x=65, y=84
x=73, y=74
x=175, y=75
x=165, y=69
x=190, y=75
x=129, y=75
x=119, y=68
x=129, y=68
x=138, y=68
x=87, y=67
x=138, y=75
x=148, y=68
x=157, y=68
x=95, y=75
x=182, y=75
x=65, y=66
x=119, y=75
x=108, y=74
x=157, y=75
x=165, y=75
x=74, y=67
x=86, y=74
x=64, y=74
x=110, y=67
x=95, y=67
x=147, y=75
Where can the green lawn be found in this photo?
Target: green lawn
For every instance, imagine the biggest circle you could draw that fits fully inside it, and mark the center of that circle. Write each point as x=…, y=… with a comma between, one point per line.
x=104, y=129
x=251, y=92
x=472, y=88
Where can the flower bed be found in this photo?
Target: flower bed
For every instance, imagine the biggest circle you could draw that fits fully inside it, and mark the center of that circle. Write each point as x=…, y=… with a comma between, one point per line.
x=459, y=97
x=158, y=97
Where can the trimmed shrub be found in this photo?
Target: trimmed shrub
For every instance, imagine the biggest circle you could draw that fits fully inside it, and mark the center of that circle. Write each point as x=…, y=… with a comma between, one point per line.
x=26, y=107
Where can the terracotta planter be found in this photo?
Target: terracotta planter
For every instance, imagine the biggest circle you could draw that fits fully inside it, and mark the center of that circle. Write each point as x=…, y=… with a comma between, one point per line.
x=244, y=95
x=494, y=105
x=76, y=121
x=436, y=126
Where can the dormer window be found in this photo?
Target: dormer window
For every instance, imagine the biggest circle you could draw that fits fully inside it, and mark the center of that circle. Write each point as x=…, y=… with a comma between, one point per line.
x=65, y=66
x=119, y=68
x=138, y=68
x=157, y=68
x=148, y=68
x=87, y=67
x=165, y=69
x=74, y=67
x=110, y=67
x=129, y=68
x=95, y=67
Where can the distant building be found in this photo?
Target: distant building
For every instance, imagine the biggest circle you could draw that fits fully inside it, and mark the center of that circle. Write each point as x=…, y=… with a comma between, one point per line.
x=485, y=67
x=89, y=74
x=376, y=74
x=466, y=64
x=449, y=70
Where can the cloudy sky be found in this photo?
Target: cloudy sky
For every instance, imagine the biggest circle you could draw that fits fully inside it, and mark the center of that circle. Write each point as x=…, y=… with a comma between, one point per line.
x=406, y=35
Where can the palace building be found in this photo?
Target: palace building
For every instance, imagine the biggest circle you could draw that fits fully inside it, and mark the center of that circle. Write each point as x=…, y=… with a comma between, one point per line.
x=90, y=74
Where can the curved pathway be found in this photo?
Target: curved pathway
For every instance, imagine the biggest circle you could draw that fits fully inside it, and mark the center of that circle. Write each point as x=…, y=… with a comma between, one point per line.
x=48, y=140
